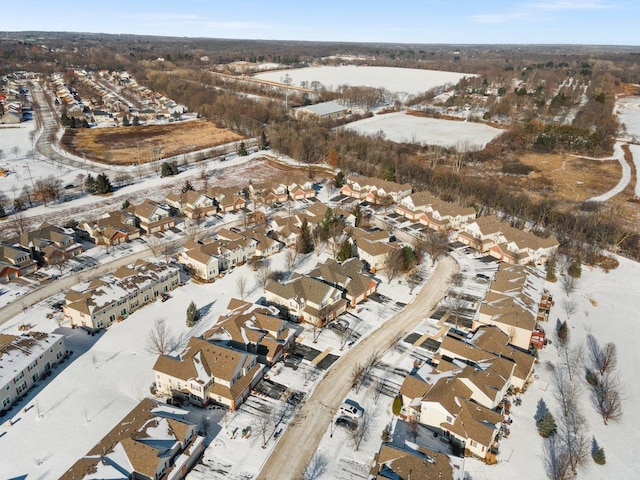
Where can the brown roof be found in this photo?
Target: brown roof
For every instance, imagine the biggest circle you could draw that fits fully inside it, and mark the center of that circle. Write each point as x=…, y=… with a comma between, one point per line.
x=405, y=463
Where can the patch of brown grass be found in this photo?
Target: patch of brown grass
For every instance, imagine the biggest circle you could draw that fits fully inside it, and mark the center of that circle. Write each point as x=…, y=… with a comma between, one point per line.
x=128, y=145
x=569, y=178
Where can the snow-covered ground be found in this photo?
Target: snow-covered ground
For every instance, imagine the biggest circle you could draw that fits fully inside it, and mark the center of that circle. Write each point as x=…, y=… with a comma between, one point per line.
x=22, y=169
x=405, y=80
x=400, y=127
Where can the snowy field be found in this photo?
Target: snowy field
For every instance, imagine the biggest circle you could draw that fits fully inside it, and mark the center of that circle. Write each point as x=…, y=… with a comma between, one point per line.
x=400, y=127
x=628, y=111
x=401, y=80
x=22, y=169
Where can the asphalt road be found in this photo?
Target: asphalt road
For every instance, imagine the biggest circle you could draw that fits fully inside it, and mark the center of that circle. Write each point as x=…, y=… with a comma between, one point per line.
x=299, y=443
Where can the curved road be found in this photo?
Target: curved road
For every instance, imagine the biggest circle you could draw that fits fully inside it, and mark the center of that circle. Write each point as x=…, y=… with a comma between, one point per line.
x=300, y=440
x=50, y=128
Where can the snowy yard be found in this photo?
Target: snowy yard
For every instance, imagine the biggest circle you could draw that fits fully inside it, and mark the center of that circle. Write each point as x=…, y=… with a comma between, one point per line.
x=401, y=80
x=400, y=127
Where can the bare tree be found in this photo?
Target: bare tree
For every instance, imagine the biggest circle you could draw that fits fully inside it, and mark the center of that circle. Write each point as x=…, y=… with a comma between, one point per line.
x=264, y=423
x=567, y=390
x=569, y=307
x=193, y=229
x=572, y=432
x=316, y=467
x=606, y=398
x=356, y=376
x=344, y=334
x=393, y=263
x=241, y=286
x=362, y=431
x=160, y=339
x=18, y=223
x=15, y=150
x=556, y=459
x=263, y=274
x=609, y=358
x=568, y=284
x=455, y=304
x=291, y=258
x=436, y=245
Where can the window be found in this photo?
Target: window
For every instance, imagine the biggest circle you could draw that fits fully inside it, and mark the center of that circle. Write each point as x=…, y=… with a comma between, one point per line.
x=6, y=402
x=449, y=419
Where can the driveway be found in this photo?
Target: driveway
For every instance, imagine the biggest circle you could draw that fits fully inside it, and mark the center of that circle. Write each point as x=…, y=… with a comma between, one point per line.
x=300, y=441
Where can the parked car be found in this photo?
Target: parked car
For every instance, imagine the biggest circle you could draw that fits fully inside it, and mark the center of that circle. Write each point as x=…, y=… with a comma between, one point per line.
x=349, y=410
x=347, y=422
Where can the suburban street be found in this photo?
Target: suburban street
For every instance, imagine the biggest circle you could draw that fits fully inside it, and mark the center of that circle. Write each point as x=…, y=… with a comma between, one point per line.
x=299, y=443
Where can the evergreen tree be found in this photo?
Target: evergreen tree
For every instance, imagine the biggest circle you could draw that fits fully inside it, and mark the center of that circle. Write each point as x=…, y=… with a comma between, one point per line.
x=90, y=184
x=2, y=212
x=186, y=187
x=563, y=333
x=599, y=457
x=339, y=180
x=575, y=269
x=264, y=141
x=103, y=184
x=551, y=269
x=125, y=121
x=345, y=251
x=242, y=149
x=389, y=174
x=305, y=239
x=126, y=204
x=192, y=314
x=547, y=426
x=136, y=121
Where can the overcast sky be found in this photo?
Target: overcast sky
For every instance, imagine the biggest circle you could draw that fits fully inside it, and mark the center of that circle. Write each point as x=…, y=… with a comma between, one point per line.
x=601, y=22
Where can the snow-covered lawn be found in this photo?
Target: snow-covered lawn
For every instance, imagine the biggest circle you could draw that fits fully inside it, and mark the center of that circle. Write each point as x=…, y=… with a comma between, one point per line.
x=21, y=169
x=400, y=127
x=401, y=80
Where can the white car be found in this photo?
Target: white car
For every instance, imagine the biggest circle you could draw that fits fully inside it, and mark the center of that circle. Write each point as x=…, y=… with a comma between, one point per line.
x=353, y=411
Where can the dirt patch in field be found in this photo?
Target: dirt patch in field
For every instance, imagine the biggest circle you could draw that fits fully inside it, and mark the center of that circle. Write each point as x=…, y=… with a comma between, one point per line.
x=128, y=145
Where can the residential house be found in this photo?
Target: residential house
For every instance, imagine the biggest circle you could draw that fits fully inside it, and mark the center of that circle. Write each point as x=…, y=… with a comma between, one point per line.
x=15, y=261
x=154, y=441
x=350, y=277
x=306, y=299
x=448, y=408
x=204, y=372
x=192, y=204
x=202, y=260
x=24, y=360
x=513, y=303
x=113, y=297
x=227, y=199
x=437, y=214
x=300, y=187
x=412, y=461
x=285, y=229
x=268, y=192
x=508, y=244
x=153, y=217
x=375, y=190
x=252, y=328
x=113, y=228
x=49, y=244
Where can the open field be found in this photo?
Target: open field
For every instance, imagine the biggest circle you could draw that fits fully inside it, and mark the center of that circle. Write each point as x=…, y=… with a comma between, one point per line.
x=400, y=127
x=571, y=178
x=125, y=146
x=402, y=80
